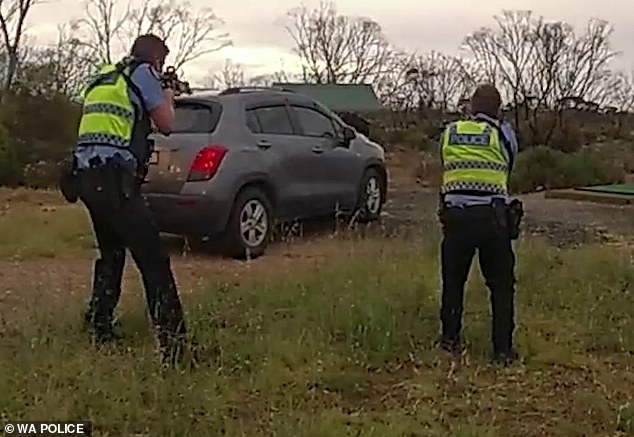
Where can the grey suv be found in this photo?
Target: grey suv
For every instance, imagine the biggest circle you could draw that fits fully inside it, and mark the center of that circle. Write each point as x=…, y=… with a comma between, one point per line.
x=240, y=161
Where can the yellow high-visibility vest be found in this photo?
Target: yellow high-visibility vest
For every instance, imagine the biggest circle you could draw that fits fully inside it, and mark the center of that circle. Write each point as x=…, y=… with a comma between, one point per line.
x=108, y=113
x=473, y=159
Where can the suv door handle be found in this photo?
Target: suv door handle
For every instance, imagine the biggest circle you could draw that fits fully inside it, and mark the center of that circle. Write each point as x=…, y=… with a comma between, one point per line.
x=264, y=144
x=318, y=149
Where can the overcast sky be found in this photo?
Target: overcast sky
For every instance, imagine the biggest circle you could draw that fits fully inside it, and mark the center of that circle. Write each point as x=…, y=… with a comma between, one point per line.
x=261, y=43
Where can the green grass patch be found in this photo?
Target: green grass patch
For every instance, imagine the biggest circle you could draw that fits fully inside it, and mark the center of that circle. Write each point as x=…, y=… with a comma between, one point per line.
x=347, y=350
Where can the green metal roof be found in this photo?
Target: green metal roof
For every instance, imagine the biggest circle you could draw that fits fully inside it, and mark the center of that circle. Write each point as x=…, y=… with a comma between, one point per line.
x=339, y=97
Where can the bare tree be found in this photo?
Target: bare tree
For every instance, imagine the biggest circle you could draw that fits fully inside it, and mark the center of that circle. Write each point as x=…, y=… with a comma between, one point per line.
x=586, y=67
x=431, y=81
x=439, y=81
x=505, y=53
x=191, y=32
x=110, y=26
x=104, y=20
x=622, y=93
x=570, y=70
x=59, y=68
x=393, y=87
x=541, y=65
x=268, y=79
x=13, y=15
x=334, y=48
x=230, y=75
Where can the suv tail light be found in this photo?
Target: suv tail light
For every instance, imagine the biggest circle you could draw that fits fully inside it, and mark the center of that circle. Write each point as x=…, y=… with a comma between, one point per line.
x=206, y=163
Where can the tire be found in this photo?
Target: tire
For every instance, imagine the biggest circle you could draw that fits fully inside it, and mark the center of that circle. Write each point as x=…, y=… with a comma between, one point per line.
x=371, y=196
x=248, y=202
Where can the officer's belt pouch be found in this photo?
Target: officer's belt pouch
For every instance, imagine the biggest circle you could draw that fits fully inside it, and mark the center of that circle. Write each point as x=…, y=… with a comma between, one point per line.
x=68, y=183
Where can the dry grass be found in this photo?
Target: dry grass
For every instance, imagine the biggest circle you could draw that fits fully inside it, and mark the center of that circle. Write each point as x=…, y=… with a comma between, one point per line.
x=410, y=167
x=39, y=223
x=331, y=337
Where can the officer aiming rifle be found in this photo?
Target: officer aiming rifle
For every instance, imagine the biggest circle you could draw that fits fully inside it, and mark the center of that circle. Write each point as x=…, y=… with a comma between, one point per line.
x=110, y=160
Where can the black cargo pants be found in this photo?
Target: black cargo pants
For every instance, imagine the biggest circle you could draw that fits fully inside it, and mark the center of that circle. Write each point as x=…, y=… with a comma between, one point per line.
x=485, y=229
x=121, y=219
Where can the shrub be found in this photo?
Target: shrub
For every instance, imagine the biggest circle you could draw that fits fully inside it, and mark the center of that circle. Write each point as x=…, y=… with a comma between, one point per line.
x=544, y=167
x=41, y=174
x=569, y=137
x=37, y=132
x=10, y=170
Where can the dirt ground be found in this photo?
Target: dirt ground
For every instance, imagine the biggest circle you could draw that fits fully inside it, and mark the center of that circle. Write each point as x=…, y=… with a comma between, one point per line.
x=564, y=223
x=71, y=277
x=410, y=205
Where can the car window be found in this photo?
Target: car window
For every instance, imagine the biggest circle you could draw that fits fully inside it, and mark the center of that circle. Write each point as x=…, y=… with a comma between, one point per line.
x=314, y=123
x=253, y=123
x=270, y=120
x=193, y=118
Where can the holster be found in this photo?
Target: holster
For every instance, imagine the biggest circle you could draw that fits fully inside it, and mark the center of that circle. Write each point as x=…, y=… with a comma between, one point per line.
x=500, y=216
x=515, y=212
x=113, y=183
x=68, y=182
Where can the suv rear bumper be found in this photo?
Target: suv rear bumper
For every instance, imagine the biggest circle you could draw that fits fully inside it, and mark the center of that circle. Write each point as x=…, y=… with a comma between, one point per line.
x=189, y=214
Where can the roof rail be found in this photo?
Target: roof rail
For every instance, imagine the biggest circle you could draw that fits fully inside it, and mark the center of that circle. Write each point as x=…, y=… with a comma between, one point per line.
x=251, y=89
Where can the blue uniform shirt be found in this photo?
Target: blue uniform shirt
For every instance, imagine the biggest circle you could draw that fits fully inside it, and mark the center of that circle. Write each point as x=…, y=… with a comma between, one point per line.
x=461, y=200
x=149, y=85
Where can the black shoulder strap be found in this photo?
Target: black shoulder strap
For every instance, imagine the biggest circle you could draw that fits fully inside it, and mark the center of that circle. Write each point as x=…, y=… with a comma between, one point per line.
x=507, y=146
x=120, y=69
x=134, y=64
x=505, y=141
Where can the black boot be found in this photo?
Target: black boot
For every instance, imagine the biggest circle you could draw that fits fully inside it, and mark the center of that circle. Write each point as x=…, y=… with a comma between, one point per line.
x=450, y=345
x=506, y=358
x=106, y=291
x=172, y=337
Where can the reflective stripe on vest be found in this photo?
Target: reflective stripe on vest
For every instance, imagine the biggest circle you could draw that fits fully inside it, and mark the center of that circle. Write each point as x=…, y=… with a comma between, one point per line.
x=108, y=116
x=473, y=159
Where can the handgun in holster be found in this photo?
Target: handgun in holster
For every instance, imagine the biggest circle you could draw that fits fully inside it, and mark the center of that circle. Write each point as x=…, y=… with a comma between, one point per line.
x=500, y=215
x=68, y=182
x=515, y=212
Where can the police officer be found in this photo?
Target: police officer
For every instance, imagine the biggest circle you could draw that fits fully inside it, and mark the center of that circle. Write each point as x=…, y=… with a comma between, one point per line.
x=110, y=162
x=477, y=155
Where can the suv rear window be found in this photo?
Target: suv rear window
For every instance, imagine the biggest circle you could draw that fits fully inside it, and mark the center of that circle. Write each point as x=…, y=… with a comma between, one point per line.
x=195, y=117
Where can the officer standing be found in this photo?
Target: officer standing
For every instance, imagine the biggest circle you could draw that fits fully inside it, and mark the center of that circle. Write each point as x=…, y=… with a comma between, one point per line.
x=110, y=162
x=477, y=155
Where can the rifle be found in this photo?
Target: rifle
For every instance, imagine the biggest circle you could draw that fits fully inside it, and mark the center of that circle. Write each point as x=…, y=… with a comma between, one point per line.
x=170, y=79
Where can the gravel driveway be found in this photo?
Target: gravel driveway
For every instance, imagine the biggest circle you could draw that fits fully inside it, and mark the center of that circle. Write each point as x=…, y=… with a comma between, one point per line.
x=564, y=222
